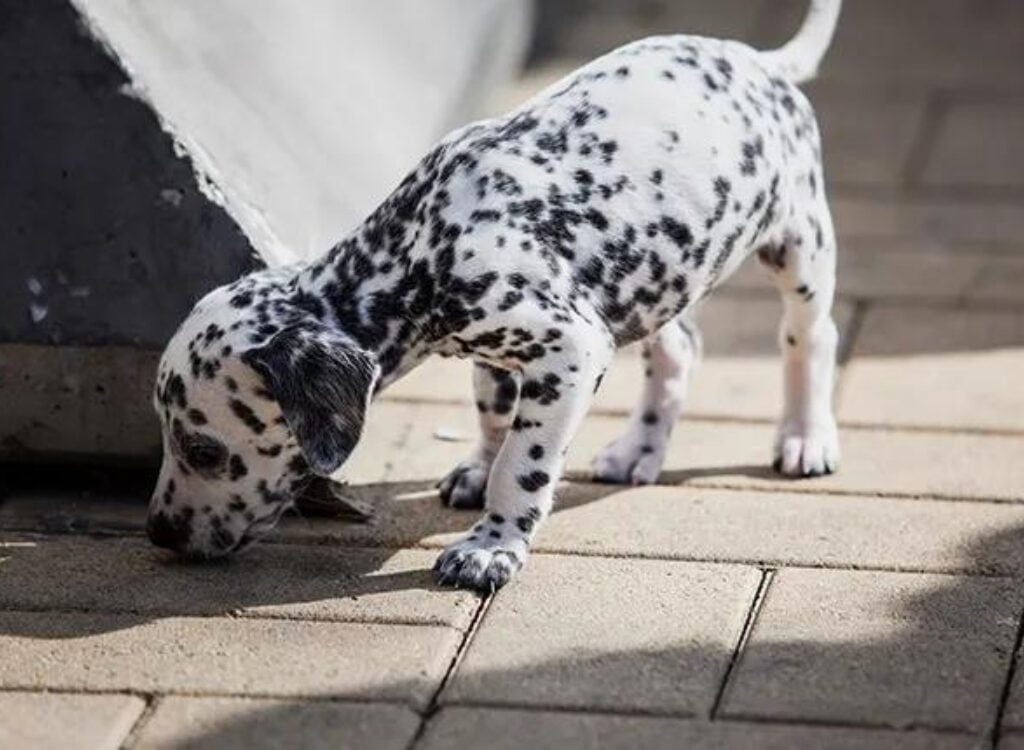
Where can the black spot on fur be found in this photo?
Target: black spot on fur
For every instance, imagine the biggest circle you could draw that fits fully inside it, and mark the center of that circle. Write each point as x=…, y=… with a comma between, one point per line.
x=245, y=413
x=237, y=468
x=533, y=481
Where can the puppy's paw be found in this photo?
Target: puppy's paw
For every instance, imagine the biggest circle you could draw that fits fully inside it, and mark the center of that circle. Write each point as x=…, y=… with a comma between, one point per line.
x=629, y=461
x=464, y=486
x=481, y=561
x=809, y=451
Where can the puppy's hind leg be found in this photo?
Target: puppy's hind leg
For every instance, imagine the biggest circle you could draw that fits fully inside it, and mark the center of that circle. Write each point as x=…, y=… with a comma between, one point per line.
x=670, y=356
x=803, y=269
x=496, y=392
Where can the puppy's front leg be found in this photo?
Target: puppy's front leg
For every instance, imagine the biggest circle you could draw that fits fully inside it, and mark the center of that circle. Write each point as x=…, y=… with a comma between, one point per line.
x=555, y=393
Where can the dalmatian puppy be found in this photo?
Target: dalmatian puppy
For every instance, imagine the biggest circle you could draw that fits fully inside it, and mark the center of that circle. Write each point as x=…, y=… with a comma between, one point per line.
x=597, y=214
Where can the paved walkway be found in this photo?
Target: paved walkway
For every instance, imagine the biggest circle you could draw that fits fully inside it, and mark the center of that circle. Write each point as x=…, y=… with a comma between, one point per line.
x=877, y=608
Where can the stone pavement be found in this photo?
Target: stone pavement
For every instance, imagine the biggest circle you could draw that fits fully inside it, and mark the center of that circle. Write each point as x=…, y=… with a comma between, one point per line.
x=724, y=607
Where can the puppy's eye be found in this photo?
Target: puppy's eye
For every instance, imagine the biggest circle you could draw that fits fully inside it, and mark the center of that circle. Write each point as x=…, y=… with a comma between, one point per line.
x=205, y=453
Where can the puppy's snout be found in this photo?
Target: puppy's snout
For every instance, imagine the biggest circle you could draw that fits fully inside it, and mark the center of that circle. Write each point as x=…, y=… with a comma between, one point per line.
x=169, y=533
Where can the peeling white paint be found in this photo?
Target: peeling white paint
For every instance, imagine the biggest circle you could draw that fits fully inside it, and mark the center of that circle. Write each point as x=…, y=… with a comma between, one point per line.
x=299, y=118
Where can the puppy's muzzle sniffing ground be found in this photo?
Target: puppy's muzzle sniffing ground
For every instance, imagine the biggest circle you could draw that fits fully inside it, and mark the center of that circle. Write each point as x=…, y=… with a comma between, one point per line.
x=597, y=214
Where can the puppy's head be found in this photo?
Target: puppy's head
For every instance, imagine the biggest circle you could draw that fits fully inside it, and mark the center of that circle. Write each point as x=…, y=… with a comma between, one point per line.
x=255, y=396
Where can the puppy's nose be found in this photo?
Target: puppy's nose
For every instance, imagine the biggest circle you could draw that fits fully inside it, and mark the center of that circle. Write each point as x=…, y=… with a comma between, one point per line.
x=164, y=532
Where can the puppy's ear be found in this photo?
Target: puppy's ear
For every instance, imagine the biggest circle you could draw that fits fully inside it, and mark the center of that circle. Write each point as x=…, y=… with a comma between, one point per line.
x=323, y=383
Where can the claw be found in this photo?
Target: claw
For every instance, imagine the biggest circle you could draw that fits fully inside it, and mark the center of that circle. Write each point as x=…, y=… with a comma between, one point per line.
x=482, y=569
x=462, y=489
x=806, y=453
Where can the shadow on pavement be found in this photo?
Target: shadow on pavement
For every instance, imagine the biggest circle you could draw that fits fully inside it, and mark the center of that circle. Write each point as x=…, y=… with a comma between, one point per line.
x=932, y=654
x=924, y=651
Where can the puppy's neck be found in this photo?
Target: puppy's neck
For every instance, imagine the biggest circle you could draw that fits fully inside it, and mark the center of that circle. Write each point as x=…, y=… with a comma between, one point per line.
x=377, y=295
x=383, y=284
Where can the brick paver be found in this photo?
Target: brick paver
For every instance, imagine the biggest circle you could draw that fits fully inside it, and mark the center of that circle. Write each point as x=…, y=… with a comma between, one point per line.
x=919, y=219
x=295, y=582
x=1000, y=281
x=510, y=729
x=937, y=368
x=248, y=724
x=380, y=447
x=723, y=608
x=855, y=153
x=771, y=528
x=55, y=721
x=550, y=640
x=87, y=651
x=707, y=523
x=878, y=648
x=978, y=145
x=874, y=461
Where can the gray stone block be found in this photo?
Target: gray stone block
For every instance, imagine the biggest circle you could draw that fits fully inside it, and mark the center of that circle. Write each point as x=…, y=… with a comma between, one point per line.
x=70, y=402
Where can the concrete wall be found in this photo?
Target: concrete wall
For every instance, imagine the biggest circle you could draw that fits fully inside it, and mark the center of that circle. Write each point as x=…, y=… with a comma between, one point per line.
x=153, y=150
x=105, y=238
x=105, y=242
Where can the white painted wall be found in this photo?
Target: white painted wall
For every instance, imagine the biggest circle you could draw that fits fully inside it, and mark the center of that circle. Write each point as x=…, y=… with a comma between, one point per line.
x=304, y=115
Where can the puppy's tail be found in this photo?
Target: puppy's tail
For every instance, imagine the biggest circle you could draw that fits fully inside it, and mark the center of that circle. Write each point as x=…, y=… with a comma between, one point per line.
x=799, y=58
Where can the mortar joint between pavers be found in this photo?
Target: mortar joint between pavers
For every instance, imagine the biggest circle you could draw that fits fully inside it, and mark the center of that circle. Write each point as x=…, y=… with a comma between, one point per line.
x=236, y=614
x=836, y=492
x=925, y=429
x=434, y=704
x=152, y=703
x=250, y=695
x=902, y=727
x=995, y=732
x=753, y=611
x=1005, y=574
